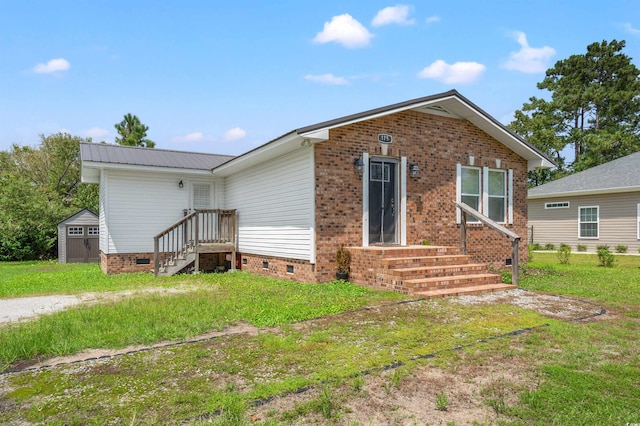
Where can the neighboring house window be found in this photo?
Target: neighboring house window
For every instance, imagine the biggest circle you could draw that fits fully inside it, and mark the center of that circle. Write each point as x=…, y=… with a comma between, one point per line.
x=639, y=221
x=562, y=205
x=497, y=196
x=588, y=222
x=75, y=230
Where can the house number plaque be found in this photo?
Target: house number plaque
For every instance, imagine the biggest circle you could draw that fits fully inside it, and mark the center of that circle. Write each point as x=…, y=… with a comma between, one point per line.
x=384, y=138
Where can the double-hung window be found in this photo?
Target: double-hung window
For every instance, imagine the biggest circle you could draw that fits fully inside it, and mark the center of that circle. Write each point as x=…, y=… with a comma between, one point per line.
x=588, y=222
x=470, y=189
x=497, y=196
x=489, y=191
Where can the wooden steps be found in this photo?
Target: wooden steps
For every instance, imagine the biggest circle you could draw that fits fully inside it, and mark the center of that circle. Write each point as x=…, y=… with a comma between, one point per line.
x=424, y=271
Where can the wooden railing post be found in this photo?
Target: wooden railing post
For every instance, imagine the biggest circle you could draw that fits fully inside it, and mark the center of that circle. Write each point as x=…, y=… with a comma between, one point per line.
x=515, y=267
x=463, y=231
x=197, y=242
x=156, y=256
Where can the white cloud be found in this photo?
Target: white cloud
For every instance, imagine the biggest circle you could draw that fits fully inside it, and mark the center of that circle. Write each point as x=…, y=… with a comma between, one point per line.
x=191, y=137
x=631, y=30
x=329, y=79
x=393, y=15
x=458, y=73
x=344, y=30
x=53, y=65
x=234, y=134
x=96, y=133
x=528, y=59
x=433, y=19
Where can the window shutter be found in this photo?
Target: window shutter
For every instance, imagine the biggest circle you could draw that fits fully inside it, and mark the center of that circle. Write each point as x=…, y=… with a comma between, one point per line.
x=485, y=191
x=458, y=191
x=510, y=199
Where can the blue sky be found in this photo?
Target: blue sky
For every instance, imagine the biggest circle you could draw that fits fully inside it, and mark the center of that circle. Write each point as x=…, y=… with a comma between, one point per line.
x=224, y=77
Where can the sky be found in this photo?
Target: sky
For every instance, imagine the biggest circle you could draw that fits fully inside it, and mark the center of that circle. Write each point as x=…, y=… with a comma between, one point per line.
x=226, y=76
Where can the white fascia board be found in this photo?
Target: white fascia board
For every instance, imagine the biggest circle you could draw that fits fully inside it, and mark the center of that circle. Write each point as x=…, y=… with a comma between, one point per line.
x=87, y=165
x=277, y=148
x=316, y=136
x=541, y=163
x=602, y=191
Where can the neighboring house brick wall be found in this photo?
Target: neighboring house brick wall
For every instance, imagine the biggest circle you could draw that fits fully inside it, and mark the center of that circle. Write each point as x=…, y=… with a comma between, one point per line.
x=436, y=144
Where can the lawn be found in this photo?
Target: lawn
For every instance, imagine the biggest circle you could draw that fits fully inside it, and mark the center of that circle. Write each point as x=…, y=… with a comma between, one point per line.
x=349, y=346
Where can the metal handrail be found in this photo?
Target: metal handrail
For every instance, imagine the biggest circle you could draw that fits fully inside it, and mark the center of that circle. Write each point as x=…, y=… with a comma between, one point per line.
x=515, y=238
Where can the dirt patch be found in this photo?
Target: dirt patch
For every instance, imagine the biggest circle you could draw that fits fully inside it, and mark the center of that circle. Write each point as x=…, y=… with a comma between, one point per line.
x=557, y=307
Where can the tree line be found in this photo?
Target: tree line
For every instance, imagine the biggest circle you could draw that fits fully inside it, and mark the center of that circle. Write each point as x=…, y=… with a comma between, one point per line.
x=40, y=186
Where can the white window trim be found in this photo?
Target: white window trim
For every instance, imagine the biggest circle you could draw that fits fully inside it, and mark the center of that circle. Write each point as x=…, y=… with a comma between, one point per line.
x=597, y=222
x=510, y=196
x=484, y=195
x=557, y=205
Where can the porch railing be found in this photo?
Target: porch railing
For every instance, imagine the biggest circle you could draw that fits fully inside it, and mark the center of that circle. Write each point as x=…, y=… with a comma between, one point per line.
x=188, y=234
x=515, y=238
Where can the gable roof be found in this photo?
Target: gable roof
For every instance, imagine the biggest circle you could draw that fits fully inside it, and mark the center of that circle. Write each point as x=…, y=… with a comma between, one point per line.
x=78, y=214
x=98, y=155
x=620, y=175
x=450, y=104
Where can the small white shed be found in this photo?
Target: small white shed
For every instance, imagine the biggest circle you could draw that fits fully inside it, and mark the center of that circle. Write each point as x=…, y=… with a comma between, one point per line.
x=78, y=238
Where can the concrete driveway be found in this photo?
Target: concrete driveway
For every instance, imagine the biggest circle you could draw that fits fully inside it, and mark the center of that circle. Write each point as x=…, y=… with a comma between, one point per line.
x=29, y=307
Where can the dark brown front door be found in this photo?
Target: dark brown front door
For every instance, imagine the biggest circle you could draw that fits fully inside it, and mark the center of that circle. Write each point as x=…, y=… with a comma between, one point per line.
x=82, y=244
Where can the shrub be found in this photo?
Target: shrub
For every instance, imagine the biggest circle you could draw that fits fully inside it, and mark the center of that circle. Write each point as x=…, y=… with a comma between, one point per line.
x=564, y=253
x=621, y=248
x=605, y=256
x=582, y=247
x=549, y=246
x=535, y=246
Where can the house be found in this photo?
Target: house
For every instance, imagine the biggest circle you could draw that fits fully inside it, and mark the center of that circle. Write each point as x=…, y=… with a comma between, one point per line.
x=382, y=182
x=78, y=238
x=598, y=206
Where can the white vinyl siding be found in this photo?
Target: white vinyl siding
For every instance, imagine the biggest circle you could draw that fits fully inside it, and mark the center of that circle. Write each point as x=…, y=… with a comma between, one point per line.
x=638, y=221
x=275, y=205
x=588, y=222
x=141, y=205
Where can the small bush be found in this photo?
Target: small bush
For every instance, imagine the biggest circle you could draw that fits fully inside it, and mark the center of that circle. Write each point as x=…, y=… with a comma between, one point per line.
x=621, y=248
x=605, y=257
x=549, y=246
x=582, y=247
x=442, y=401
x=564, y=253
x=535, y=246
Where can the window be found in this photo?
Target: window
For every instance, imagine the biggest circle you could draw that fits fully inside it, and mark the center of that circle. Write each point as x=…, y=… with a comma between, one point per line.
x=489, y=191
x=497, y=192
x=93, y=230
x=588, y=222
x=201, y=196
x=560, y=205
x=470, y=189
x=75, y=230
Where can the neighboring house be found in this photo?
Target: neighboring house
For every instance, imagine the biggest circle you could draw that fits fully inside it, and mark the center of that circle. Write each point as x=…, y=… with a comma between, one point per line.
x=78, y=238
x=380, y=182
x=598, y=206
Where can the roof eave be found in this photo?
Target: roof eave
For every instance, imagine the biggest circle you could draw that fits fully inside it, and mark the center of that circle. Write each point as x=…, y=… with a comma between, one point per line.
x=599, y=191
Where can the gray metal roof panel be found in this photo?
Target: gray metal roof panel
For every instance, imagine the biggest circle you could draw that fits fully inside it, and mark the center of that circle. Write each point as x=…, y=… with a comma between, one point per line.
x=129, y=155
x=623, y=172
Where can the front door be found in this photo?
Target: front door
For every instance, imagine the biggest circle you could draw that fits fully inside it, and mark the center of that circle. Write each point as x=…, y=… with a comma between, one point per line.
x=383, y=201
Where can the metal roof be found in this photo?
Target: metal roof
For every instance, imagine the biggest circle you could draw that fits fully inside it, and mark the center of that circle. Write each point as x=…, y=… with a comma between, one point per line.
x=620, y=175
x=129, y=155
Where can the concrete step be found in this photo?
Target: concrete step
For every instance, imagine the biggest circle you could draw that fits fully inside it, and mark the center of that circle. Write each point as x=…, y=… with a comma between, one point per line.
x=464, y=291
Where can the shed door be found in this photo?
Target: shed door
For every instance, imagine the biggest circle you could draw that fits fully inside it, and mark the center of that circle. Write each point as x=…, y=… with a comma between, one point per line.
x=82, y=244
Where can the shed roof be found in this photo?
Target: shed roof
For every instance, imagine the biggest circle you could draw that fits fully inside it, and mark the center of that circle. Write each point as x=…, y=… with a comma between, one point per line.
x=137, y=156
x=78, y=214
x=620, y=175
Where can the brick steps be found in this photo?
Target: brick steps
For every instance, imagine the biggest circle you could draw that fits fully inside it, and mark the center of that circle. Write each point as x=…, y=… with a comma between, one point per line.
x=424, y=271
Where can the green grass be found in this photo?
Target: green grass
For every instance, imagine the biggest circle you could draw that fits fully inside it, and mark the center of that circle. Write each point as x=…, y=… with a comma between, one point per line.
x=36, y=278
x=581, y=372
